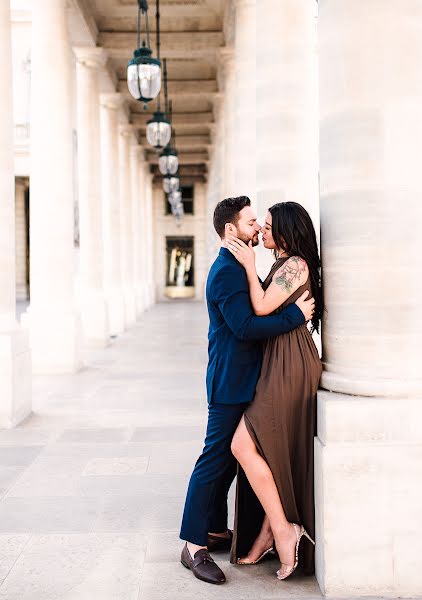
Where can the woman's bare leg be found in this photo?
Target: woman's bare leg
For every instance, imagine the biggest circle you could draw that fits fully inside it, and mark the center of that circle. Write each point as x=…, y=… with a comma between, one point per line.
x=264, y=541
x=263, y=484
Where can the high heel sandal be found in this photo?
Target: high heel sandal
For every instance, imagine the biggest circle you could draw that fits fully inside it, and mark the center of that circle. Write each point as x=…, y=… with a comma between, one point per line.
x=241, y=561
x=302, y=532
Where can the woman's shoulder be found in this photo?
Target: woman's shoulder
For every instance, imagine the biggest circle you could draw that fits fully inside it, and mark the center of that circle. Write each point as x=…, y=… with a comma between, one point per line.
x=291, y=273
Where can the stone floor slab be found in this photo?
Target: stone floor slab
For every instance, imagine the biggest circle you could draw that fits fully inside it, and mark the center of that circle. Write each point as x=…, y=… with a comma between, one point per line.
x=168, y=434
x=25, y=437
x=124, y=465
x=177, y=457
x=255, y=582
x=11, y=546
x=48, y=515
x=8, y=477
x=89, y=451
x=50, y=476
x=86, y=567
x=13, y=456
x=147, y=514
x=94, y=436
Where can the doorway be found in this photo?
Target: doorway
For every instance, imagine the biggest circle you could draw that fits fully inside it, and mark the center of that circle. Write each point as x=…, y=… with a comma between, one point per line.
x=180, y=267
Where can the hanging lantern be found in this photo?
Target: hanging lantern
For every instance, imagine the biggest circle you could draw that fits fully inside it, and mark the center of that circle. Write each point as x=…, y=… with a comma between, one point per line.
x=168, y=162
x=143, y=71
x=177, y=208
x=178, y=212
x=171, y=183
x=158, y=130
x=175, y=198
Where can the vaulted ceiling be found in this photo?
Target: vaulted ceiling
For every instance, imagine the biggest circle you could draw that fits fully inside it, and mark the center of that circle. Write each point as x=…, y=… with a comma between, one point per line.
x=191, y=35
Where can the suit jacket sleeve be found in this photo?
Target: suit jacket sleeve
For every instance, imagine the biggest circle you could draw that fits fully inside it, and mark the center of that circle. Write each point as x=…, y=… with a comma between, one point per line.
x=231, y=294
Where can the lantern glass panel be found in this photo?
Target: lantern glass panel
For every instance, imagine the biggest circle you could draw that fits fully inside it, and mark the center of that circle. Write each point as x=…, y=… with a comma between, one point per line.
x=170, y=184
x=168, y=164
x=177, y=209
x=144, y=80
x=175, y=198
x=158, y=133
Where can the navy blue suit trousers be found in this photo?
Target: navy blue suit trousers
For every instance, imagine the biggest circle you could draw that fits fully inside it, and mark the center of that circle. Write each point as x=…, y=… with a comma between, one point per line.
x=206, y=500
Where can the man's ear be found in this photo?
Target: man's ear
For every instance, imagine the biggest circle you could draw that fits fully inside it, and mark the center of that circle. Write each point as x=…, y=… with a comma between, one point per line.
x=229, y=228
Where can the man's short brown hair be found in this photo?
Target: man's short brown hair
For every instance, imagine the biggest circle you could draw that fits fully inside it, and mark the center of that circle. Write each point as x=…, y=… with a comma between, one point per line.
x=227, y=211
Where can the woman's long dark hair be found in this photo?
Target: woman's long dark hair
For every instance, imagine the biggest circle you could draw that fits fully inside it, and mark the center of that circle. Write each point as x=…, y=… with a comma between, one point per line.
x=293, y=232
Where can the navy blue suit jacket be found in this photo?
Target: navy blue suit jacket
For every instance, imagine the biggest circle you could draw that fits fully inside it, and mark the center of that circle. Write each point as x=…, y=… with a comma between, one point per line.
x=235, y=332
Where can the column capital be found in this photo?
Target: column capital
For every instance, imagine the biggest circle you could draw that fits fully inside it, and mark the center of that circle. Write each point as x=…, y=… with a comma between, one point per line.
x=126, y=129
x=225, y=54
x=225, y=58
x=112, y=100
x=137, y=150
x=213, y=134
x=90, y=56
x=245, y=3
x=218, y=103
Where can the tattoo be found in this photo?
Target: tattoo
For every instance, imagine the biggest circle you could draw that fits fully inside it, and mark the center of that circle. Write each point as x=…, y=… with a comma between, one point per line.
x=290, y=272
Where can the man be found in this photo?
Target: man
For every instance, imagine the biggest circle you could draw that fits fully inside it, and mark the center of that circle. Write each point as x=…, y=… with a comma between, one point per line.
x=235, y=355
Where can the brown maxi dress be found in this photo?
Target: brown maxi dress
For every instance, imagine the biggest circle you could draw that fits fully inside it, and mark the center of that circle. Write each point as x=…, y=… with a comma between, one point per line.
x=282, y=422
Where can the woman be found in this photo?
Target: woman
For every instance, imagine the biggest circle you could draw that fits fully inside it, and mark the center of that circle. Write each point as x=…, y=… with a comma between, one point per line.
x=274, y=440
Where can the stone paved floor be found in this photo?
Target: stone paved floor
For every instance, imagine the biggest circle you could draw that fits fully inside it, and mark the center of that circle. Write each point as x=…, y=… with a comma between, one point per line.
x=92, y=483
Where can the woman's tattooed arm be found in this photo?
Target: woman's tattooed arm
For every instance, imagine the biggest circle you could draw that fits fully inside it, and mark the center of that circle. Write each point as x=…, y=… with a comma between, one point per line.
x=290, y=273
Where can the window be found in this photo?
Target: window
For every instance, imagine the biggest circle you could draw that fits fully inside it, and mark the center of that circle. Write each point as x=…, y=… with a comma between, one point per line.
x=187, y=199
x=180, y=263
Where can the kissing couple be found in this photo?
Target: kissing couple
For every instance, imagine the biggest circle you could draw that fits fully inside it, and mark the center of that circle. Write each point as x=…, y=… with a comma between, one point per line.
x=262, y=378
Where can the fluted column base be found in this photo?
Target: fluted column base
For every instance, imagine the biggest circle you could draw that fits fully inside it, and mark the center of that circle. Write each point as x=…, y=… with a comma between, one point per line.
x=130, y=306
x=149, y=294
x=140, y=298
x=116, y=311
x=55, y=339
x=367, y=495
x=94, y=316
x=15, y=378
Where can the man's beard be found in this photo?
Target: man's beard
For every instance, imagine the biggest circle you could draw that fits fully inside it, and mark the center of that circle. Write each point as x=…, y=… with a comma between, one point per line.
x=246, y=240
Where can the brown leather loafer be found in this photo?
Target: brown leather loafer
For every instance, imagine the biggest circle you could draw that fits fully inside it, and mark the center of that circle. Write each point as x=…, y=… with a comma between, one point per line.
x=202, y=566
x=216, y=542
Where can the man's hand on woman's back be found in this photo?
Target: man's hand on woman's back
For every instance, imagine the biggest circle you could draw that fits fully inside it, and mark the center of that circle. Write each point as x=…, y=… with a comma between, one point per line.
x=306, y=306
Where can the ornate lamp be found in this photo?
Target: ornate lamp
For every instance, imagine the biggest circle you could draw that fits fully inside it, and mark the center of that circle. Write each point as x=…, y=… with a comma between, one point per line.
x=175, y=198
x=171, y=183
x=168, y=162
x=144, y=71
x=177, y=208
x=158, y=130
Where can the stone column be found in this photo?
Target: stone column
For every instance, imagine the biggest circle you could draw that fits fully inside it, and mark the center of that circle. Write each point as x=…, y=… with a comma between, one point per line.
x=93, y=306
x=137, y=180
x=245, y=112
x=368, y=450
x=126, y=223
x=55, y=331
x=149, y=224
x=144, y=182
x=228, y=84
x=216, y=174
x=287, y=110
x=109, y=116
x=21, y=241
x=15, y=358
